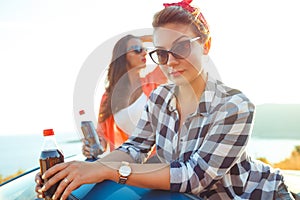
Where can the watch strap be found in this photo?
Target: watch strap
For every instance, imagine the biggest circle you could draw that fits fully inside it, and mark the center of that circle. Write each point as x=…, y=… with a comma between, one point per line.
x=122, y=179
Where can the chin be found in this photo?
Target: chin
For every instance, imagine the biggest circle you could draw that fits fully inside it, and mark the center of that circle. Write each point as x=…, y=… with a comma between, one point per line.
x=142, y=65
x=178, y=80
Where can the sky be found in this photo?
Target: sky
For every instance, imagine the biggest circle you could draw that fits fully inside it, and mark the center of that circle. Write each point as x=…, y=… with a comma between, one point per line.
x=44, y=45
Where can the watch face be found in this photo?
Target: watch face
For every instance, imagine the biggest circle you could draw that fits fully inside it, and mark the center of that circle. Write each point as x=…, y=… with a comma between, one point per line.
x=125, y=170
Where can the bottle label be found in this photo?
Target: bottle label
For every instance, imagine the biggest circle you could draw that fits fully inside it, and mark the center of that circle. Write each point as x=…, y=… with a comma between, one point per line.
x=47, y=160
x=91, y=138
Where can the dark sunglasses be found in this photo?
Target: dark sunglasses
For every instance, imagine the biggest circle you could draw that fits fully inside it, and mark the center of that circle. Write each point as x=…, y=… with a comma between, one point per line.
x=180, y=50
x=136, y=49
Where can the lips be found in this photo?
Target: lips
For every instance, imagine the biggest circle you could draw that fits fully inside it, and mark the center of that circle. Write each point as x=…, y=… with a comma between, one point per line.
x=144, y=60
x=176, y=73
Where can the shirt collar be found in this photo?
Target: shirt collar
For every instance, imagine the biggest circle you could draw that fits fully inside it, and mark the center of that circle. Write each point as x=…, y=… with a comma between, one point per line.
x=212, y=96
x=206, y=99
x=208, y=96
x=171, y=98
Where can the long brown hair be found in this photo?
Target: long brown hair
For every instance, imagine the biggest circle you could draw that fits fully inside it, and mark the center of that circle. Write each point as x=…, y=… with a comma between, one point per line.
x=117, y=70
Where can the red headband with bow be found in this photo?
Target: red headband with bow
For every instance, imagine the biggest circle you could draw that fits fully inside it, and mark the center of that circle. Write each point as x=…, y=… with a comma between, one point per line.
x=185, y=4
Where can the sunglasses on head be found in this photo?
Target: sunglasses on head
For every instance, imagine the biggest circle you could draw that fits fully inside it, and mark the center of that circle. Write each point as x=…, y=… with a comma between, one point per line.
x=180, y=50
x=136, y=49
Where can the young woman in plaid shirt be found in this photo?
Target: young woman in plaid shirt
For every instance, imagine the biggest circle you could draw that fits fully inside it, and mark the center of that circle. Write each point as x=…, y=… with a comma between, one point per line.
x=200, y=127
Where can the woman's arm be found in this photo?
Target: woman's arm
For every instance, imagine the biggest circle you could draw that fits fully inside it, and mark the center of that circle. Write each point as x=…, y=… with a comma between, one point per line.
x=74, y=174
x=155, y=176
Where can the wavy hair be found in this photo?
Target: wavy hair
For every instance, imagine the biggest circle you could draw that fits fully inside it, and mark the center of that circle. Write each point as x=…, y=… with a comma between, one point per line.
x=117, y=69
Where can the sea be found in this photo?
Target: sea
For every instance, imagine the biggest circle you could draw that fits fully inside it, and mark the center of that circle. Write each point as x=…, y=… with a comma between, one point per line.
x=21, y=152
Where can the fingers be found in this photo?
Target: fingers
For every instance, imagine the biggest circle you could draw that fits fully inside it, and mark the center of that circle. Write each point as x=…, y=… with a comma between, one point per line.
x=72, y=186
x=53, y=170
x=65, y=188
x=70, y=176
x=86, y=151
x=56, y=175
x=63, y=185
x=38, y=178
x=146, y=38
x=39, y=184
x=64, y=175
x=85, y=142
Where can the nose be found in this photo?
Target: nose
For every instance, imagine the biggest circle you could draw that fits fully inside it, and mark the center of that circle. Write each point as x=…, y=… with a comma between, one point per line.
x=144, y=52
x=172, y=61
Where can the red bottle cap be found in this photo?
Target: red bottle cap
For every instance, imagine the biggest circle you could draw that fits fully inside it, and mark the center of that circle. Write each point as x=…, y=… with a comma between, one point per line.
x=48, y=132
x=81, y=112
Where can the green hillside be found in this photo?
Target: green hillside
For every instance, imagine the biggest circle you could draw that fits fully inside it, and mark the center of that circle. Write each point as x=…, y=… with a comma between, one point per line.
x=277, y=121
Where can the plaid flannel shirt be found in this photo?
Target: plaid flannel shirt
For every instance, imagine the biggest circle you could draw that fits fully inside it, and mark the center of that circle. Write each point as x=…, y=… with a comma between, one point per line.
x=208, y=155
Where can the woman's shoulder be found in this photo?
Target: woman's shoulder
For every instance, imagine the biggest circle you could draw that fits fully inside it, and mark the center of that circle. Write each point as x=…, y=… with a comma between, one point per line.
x=229, y=93
x=231, y=98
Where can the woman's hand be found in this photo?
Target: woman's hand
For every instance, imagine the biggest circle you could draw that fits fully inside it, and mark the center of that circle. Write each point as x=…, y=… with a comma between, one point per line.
x=39, y=185
x=146, y=38
x=86, y=150
x=72, y=175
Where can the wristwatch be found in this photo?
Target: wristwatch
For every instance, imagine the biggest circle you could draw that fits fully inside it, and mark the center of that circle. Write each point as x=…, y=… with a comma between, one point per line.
x=124, y=172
